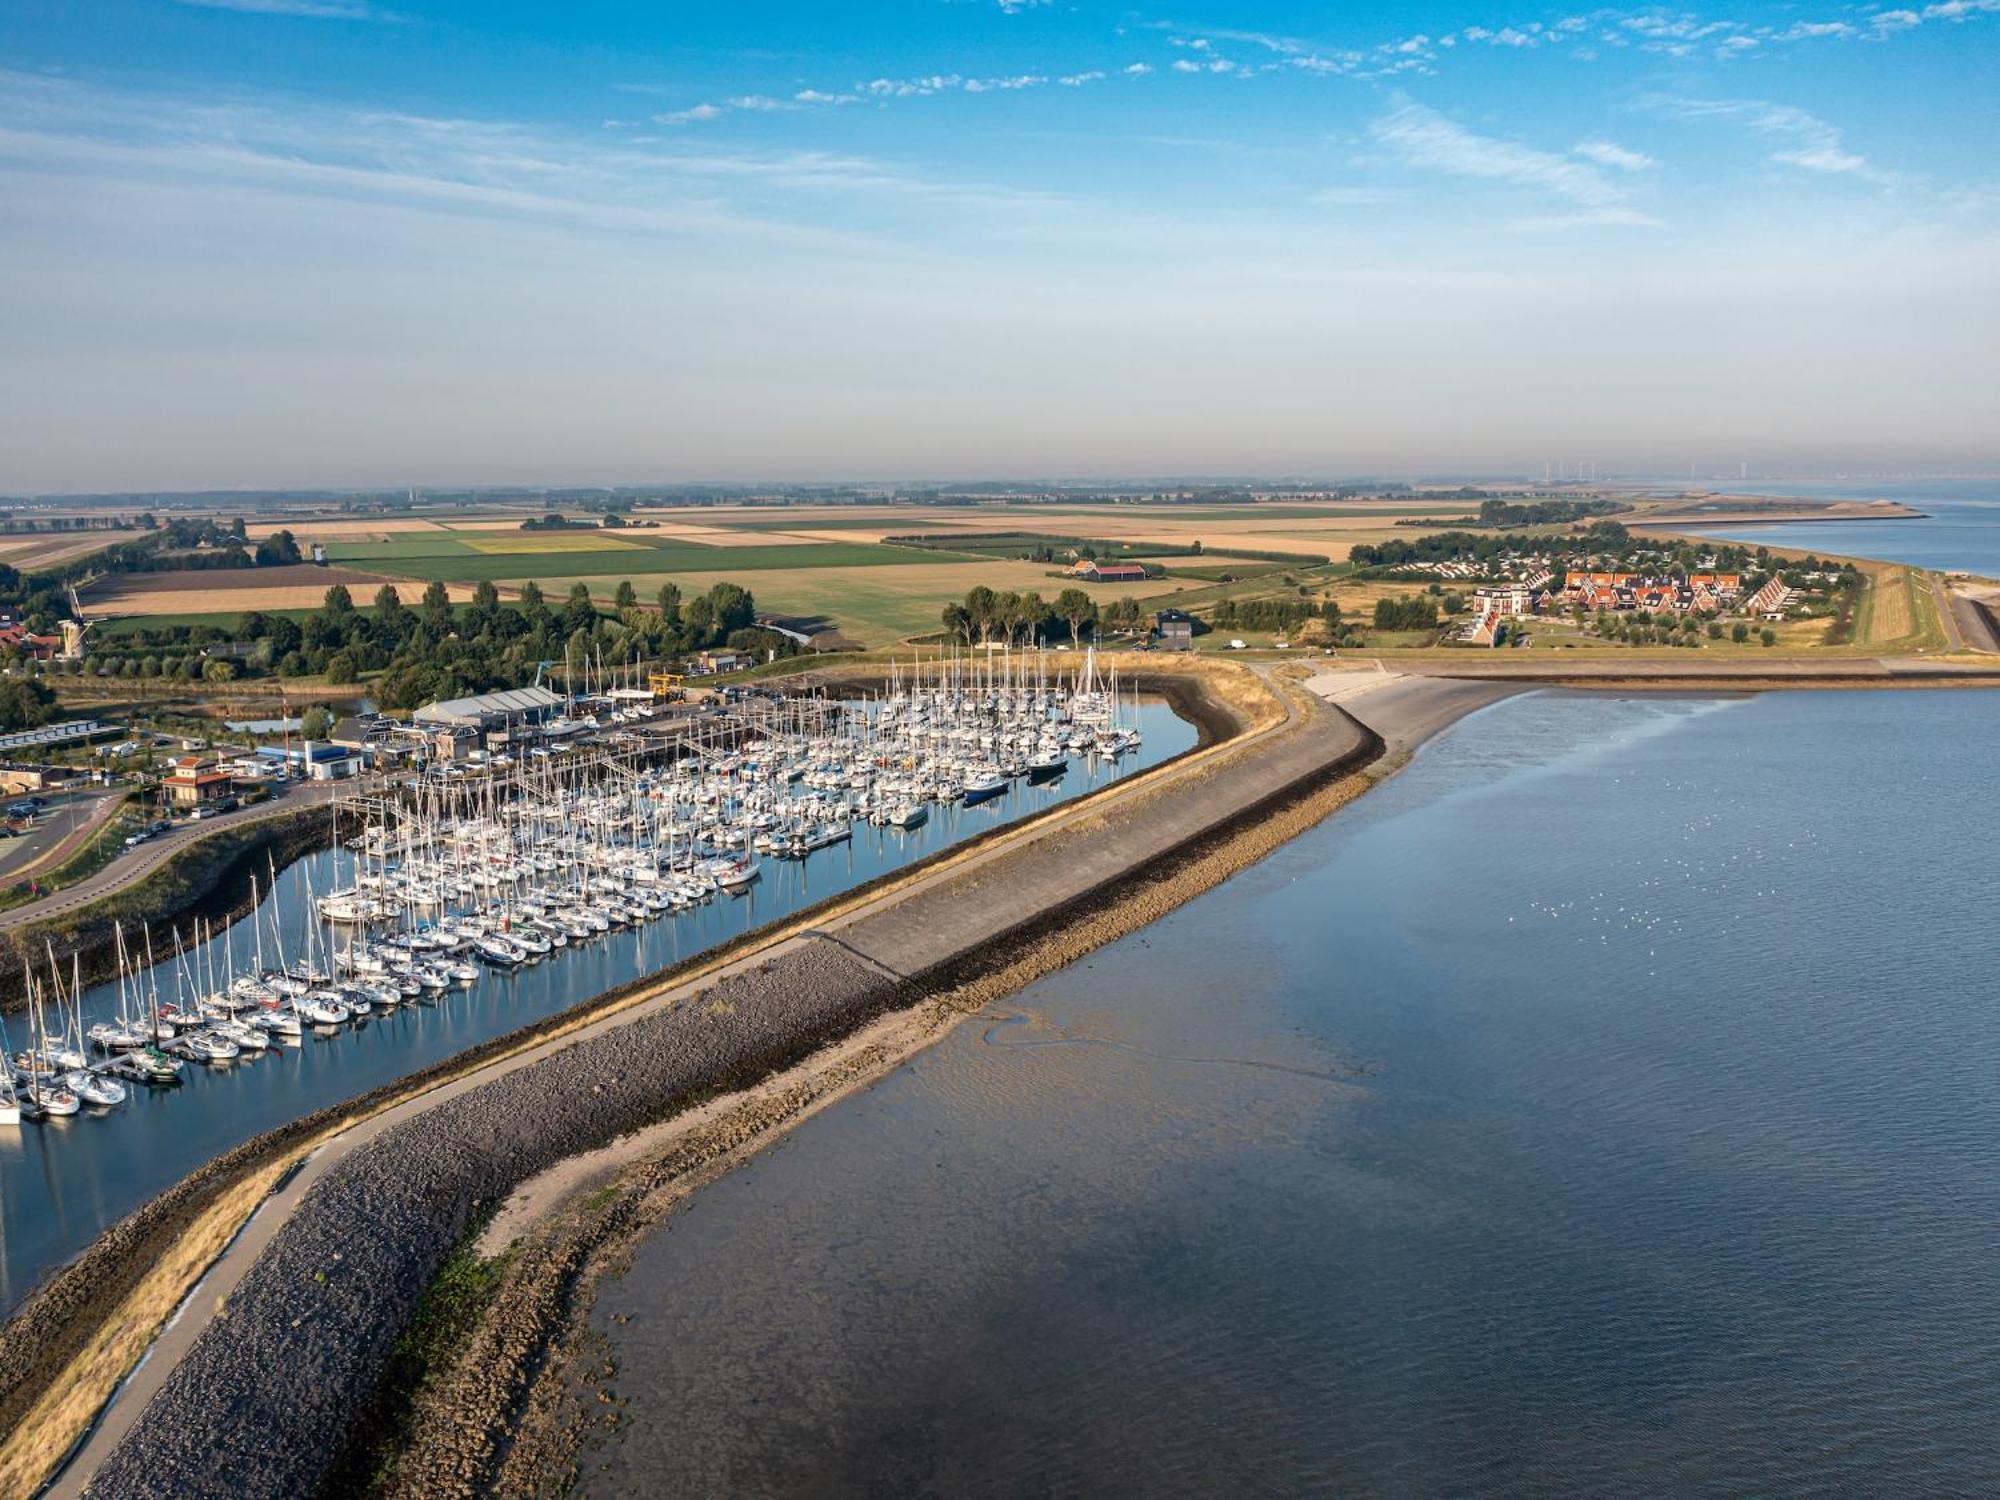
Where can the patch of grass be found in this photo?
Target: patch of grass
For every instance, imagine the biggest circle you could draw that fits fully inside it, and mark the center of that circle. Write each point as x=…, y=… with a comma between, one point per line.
x=67, y=1405
x=446, y=1317
x=103, y=847
x=224, y=619
x=422, y=544
x=503, y=543
x=1223, y=572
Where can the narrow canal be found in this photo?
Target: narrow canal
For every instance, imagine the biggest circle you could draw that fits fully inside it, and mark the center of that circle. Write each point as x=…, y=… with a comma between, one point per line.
x=64, y=1181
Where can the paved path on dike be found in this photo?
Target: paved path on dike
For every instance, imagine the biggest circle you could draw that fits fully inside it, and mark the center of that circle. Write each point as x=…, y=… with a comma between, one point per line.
x=904, y=931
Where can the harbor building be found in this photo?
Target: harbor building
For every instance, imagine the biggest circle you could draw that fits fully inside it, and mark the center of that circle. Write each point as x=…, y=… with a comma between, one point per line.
x=1175, y=630
x=492, y=713
x=195, y=783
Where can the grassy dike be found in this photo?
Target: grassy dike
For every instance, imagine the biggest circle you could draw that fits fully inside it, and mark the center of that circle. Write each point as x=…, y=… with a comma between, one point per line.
x=208, y=879
x=66, y=1349
x=508, y=1409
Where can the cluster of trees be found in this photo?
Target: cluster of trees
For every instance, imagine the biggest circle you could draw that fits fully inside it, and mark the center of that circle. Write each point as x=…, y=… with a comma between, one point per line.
x=1605, y=541
x=1643, y=628
x=1543, y=512
x=554, y=521
x=1416, y=612
x=434, y=648
x=193, y=543
x=24, y=703
x=1027, y=618
x=14, y=525
x=1280, y=616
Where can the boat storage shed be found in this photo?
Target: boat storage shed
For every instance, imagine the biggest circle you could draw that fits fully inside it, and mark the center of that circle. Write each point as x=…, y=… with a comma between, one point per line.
x=517, y=708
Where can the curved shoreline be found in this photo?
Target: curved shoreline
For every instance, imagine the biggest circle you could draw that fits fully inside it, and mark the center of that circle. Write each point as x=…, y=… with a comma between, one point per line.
x=209, y=1200
x=58, y=1329
x=509, y=1412
x=331, y=1282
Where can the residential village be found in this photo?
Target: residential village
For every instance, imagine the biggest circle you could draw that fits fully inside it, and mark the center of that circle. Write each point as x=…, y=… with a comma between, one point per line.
x=1640, y=593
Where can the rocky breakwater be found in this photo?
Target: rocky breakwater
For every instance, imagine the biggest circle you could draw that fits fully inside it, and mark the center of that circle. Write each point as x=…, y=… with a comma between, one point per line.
x=276, y=1378
x=264, y=1398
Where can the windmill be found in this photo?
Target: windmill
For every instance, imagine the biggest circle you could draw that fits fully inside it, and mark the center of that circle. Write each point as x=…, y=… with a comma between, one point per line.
x=74, y=627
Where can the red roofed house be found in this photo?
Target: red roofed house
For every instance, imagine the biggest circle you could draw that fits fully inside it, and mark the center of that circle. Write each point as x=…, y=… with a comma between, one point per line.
x=195, y=783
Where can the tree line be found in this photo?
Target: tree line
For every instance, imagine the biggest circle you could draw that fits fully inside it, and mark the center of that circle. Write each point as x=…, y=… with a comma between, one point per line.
x=986, y=615
x=433, y=648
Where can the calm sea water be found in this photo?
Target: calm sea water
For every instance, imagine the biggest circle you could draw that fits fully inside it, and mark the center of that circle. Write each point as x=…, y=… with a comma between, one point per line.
x=64, y=1181
x=1610, y=1104
x=1960, y=530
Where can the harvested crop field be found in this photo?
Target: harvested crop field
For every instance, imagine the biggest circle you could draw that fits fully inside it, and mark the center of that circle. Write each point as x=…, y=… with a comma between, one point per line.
x=379, y=529
x=532, y=543
x=213, y=581
x=1890, y=612
x=201, y=602
x=233, y=590
x=459, y=559
x=27, y=552
x=722, y=536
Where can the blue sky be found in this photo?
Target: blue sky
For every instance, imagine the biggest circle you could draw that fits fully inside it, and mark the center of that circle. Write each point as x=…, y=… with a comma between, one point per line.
x=270, y=242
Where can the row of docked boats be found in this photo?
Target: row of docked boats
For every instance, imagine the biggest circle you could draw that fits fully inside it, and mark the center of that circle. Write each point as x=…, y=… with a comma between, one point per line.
x=443, y=882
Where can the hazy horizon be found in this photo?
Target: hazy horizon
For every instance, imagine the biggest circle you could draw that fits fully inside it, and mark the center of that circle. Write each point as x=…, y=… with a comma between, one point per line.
x=758, y=486
x=297, y=244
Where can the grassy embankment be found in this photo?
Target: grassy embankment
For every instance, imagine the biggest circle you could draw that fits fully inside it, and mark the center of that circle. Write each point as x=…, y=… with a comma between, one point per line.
x=66, y=1349
x=103, y=846
x=546, y=1293
x=208, y=878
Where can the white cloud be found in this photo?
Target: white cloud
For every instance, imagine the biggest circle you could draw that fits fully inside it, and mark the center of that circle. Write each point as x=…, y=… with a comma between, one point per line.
x=1137, y=70
x=695, y=115
x=1425, y=138
x=1078, y=80
x=910, y=88
x=1813, y=145
x=1004, y=85
x=1607, y=154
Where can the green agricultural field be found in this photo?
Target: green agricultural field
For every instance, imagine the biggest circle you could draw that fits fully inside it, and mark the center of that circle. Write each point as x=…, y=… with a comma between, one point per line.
x=227, y=619
x=876, y=606
x=1219, y=571
x=460, y=562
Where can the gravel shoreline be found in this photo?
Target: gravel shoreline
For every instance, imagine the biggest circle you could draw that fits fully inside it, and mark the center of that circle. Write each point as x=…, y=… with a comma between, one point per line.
x=278, y=1378
x=60, y=1318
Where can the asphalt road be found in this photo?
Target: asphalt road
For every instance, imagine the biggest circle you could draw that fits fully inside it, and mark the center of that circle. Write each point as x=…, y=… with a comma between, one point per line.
x=1970, y=630
x=55, y=823
x=135, y=864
